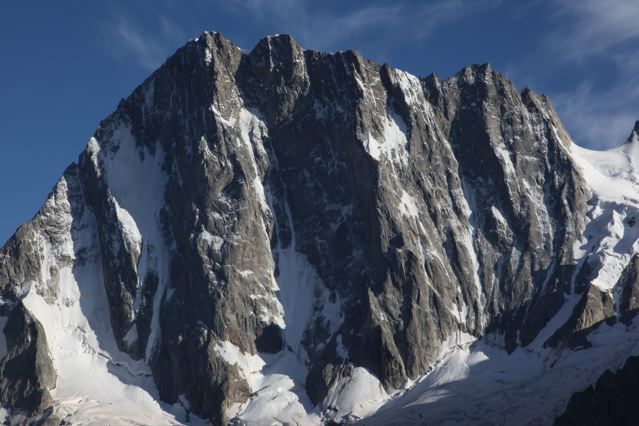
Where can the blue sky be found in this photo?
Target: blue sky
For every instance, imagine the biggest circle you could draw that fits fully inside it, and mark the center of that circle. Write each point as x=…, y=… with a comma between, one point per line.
x=65, y=65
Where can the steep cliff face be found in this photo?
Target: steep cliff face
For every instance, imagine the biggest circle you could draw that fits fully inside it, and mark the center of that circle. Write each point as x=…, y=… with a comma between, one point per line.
x=291, y=235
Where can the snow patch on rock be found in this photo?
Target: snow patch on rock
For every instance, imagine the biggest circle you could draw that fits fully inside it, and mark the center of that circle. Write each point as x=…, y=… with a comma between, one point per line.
x=408, y=205
x=212, y=241
x=394, y=144
x=355, y=397
x=275, y=385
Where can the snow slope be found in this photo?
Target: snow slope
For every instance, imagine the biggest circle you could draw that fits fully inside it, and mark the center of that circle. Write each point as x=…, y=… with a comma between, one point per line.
x=481, y=383
x=613, y=176
x=96, y=383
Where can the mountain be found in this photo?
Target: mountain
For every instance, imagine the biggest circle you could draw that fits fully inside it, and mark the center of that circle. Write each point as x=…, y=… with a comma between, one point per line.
x=289, y=236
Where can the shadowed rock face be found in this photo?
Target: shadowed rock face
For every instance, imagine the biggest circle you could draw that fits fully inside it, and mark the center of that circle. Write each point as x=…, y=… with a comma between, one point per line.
x=611, y=401
x=27, y=373
x=629, y=284
x=231, y=189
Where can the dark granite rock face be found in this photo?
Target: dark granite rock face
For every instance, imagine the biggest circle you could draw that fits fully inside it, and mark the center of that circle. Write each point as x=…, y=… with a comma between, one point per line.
x=611, y=401
x=629, y=284
x=27, y=372
x=291, y=201
x=594, y=308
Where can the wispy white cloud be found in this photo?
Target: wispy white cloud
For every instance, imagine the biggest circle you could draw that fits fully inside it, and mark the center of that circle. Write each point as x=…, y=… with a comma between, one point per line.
x=171, y=30
x=595, y=26
x=149, y=45
x=595, y=34
x=323, y=29
x=126, y=40
x=599, y=119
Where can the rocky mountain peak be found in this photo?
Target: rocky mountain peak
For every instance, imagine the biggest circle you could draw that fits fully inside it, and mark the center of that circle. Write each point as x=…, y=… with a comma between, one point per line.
x=293, y=235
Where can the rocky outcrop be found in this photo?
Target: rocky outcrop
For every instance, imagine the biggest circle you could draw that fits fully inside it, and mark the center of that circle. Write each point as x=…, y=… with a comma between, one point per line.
x=594, y=308
x=26, y=370
x=629, y=285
